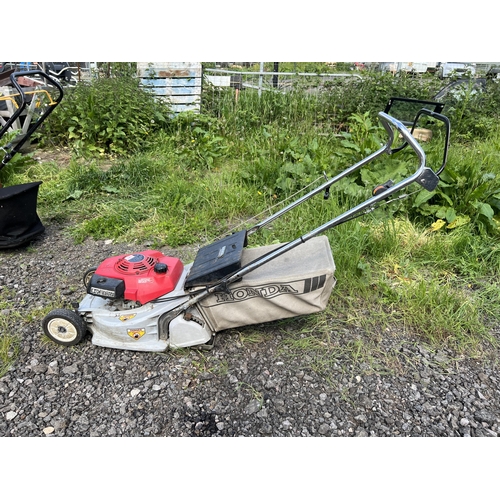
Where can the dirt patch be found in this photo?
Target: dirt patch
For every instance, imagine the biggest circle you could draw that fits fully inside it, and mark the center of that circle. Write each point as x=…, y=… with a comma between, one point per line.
x=61, y=156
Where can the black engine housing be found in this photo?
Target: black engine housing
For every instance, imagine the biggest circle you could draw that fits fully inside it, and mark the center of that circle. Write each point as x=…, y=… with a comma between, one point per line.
x=102, y=286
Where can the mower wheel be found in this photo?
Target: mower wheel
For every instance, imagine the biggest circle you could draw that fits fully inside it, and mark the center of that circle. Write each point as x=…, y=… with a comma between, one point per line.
x=65, y=327
x=87, y=276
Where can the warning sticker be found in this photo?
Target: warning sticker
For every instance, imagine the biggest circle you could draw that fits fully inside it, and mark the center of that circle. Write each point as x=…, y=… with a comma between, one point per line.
x=136, y=333
x=126, y=317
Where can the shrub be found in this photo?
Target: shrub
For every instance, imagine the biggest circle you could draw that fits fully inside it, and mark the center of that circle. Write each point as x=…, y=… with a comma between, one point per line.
x=473, y=111
x=344, y=97
x=106, y=116
x=197, y=139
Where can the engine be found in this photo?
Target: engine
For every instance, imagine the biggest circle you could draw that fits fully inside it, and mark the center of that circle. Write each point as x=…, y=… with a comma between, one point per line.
x=140, y=277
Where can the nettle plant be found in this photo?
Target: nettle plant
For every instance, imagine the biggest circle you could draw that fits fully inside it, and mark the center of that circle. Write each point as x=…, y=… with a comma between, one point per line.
x=107, y=116
x=468, y=194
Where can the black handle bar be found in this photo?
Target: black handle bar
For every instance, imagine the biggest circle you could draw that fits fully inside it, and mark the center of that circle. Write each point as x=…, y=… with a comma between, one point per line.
x=446, y=121
x=437, y=116
x=11, y=149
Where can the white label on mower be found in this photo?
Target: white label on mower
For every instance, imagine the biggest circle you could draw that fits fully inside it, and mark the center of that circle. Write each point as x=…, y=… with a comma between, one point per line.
x=102, y=293
x=145, y=280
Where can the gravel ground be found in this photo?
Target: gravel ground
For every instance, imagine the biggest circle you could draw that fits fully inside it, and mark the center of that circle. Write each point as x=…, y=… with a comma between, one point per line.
x=252, y=383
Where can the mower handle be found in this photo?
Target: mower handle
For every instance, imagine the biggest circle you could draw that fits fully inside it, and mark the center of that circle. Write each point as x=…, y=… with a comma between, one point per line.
x=390, y=124
x=437, y=116
x=9, y=149
x=424, y=176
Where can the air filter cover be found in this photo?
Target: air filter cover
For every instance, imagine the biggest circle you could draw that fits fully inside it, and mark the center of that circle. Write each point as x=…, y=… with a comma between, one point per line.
x=144, y=279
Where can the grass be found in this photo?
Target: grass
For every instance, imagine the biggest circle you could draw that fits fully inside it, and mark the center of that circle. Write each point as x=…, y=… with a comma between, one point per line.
x=395, y=270
x=9, y=340
x=9, y=350
x=395, y=280
x=424, y=281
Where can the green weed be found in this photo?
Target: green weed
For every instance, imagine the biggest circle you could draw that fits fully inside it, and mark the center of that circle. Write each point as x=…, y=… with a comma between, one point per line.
x=106, y=116
x=469, y=192
x=9, y=350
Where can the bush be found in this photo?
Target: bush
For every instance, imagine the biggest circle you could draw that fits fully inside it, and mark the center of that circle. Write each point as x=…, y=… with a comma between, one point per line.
x=106, y=116
x=343, y=98
x=473, y=112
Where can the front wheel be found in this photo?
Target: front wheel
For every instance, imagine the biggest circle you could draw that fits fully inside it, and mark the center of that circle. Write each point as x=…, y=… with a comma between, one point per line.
x=65, y=327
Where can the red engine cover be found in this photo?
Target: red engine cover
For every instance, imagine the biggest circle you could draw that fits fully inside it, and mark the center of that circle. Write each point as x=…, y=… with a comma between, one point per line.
x=144, y=274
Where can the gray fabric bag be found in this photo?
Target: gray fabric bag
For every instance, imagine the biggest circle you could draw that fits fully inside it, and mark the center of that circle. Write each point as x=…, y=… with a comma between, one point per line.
x=296, y=283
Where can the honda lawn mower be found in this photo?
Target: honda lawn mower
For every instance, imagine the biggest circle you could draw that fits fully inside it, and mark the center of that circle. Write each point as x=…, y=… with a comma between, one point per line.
x=148, y=301
x=27, y=102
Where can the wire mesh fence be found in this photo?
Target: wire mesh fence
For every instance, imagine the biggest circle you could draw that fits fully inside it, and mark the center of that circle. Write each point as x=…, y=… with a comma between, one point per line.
x=271, y=80
x=263, y=96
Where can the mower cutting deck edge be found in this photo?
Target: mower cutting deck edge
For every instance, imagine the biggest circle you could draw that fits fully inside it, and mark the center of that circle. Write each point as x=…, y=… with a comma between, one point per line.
x=148, y=301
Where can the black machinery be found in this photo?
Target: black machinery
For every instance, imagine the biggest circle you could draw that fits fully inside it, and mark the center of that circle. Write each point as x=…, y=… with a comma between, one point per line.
x=29, y=98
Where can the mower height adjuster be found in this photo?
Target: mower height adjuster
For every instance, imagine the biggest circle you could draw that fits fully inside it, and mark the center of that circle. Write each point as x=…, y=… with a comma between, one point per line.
x=382, y=187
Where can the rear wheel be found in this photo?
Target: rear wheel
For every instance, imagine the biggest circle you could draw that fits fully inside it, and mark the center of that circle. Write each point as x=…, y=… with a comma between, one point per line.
x=65, y=327
x=87, y=276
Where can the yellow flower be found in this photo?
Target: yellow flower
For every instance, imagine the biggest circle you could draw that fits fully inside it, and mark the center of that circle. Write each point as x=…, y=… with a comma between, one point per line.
x=436, y=226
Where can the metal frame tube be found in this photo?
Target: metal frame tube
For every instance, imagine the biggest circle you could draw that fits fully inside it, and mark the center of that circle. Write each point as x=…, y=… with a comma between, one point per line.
x=389, y=124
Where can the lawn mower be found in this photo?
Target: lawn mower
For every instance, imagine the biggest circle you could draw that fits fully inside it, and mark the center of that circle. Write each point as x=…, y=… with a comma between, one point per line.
x=29, y=100
x=148, y=301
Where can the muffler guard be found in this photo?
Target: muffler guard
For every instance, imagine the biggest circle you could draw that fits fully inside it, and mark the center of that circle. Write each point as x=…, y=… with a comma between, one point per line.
x=296, y=283
x=19, y=221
